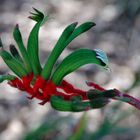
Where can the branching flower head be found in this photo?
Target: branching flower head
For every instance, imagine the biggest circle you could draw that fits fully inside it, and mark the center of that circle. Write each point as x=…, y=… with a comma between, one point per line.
x=44, y=82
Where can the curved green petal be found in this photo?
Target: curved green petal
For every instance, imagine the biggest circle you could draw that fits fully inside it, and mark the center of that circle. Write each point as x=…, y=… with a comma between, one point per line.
x=76, y=60
x=67, y=36
x=18, y=38
x=32, y=46
x=13, y=64
x=6, y=77
x=15, y=53
x=59, y=47
x=75, y=105
x=79, y=30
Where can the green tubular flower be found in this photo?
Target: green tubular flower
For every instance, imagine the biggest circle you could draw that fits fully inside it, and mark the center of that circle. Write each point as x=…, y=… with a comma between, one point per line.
x=79, y=30
x=76, y=105
x=98, y=102
x=59, y=47
x=1, y=45
x=93, y=94
x=30, y=60
x=58, y=103
x=13, y=64
x=67, y=36
x=32, y=46
x=18, y=38
x=6, y=77
x=44, y=84
x=15, y=53
x=76, y=60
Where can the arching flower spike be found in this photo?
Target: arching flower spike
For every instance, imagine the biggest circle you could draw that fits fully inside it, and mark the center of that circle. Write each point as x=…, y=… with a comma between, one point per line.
x=45, y=82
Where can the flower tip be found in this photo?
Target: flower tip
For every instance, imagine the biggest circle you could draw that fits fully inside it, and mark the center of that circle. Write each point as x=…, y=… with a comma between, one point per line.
x=88, y=83
x=75, y=23
x=1, y=45
x=93, y=24
x=17, y=26
x=43, y=102
x=37, y=11
x=30, y=17
x=1, y=79
x=12, y=48
x=34, y=8
x=30, y=97
x=108, y=68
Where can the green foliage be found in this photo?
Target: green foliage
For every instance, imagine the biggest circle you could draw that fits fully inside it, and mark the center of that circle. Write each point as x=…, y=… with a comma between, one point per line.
x=80, y=128
x=45, y=129
x=79, y=131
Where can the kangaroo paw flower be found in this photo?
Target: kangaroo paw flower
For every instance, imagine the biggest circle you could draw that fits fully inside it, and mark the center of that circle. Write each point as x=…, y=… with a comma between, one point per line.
x=46, y=83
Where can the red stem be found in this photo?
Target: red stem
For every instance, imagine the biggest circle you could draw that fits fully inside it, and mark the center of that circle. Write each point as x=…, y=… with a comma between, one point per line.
x=119, y=95
x=127, y=98
x=49, y=88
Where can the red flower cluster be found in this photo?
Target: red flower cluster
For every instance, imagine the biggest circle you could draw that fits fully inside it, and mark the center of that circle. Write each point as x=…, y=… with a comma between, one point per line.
x=43, y=89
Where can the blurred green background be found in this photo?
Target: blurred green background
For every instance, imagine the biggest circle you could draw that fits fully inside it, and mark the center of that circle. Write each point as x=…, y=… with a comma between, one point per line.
x=117, y=33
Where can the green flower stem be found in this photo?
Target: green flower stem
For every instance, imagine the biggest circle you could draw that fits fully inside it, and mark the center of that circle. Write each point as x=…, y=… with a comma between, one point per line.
x=113, y=94
x=127, y=98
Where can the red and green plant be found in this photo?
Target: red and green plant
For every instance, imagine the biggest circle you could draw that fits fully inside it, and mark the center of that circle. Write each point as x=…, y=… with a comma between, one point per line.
x=45, y=82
